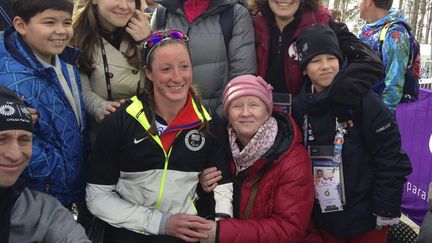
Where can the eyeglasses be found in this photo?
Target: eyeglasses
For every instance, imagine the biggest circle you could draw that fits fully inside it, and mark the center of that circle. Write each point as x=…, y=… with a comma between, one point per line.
x=158, y=37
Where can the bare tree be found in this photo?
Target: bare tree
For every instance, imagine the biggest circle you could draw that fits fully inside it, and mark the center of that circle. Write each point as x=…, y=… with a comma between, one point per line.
x=420, y=25
x=428, y=23
x=414, y=15
x=336, y=5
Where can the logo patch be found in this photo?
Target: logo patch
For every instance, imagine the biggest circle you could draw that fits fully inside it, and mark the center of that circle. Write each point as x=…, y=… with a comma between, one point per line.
x=7, y=110
x=194, y=140
x=137, y=141
x=292, y=51
x=25, y=111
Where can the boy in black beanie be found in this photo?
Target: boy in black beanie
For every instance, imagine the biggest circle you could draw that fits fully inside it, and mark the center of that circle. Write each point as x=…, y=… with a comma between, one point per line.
x=364, y=168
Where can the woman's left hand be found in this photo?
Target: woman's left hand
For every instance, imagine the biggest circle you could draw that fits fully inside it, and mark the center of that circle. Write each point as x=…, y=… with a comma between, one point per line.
x=211, y=233
x=139, y=26
x=209, y=178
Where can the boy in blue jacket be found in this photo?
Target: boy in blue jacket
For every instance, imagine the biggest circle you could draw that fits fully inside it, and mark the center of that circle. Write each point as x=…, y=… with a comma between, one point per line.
x=362, y=166
x=37, y=64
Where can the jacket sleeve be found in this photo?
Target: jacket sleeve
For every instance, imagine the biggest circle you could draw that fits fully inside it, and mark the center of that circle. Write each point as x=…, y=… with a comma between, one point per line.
x=223, y=193
x=94, y=104
x=364, y=68
x=44, y=153
x=395, y=52
x=105, y=203
x=293, y=202
x=102, y=199
x=53, y=222
x=391, y=163
x=241, y=51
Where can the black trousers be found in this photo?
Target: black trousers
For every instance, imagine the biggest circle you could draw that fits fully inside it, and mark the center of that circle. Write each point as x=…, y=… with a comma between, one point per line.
x=121, y=235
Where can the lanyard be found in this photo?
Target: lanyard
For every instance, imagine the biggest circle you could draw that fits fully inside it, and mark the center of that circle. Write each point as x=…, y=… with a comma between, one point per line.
x=338, y=140
x=106, y=69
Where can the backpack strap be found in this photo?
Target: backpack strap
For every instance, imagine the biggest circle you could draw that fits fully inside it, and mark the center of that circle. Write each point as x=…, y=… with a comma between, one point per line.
x=251, y=200
x=383, y=34
x=160, y=17
x=226, y=19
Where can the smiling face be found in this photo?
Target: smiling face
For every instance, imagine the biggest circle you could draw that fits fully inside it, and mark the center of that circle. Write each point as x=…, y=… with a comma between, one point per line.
x=284, y=10
x=47, y=33
x=246, y=115
x=114, y=14
x=15, y=152
x=322, y=69
x=171, y=73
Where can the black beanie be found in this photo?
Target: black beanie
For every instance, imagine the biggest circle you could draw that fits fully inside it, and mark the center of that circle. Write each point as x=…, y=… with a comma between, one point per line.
x=13, y=113
x=316, y=40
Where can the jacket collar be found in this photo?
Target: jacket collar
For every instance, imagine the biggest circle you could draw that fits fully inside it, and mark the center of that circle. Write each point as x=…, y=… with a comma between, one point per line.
x=21, y=52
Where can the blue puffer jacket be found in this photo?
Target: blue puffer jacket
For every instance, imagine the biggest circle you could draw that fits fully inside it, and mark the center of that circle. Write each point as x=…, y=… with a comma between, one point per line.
x=56, y=166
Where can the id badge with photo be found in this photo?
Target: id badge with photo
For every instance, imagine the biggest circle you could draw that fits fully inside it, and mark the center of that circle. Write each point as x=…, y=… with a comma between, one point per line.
x=328, y=178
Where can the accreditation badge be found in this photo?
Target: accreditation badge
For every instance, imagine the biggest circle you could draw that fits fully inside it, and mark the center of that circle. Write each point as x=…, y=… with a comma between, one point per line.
x=328, y=178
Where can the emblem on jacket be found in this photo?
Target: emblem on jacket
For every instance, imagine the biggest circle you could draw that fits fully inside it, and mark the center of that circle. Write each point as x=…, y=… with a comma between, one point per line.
x=292, y=51
x=194, y=140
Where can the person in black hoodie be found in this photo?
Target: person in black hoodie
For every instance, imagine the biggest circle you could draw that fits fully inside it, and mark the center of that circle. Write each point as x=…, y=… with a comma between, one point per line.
x=366, y=165
x=26, y=216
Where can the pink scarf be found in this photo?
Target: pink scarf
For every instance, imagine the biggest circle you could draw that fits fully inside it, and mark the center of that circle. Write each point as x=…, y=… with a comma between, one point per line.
x=256, y=148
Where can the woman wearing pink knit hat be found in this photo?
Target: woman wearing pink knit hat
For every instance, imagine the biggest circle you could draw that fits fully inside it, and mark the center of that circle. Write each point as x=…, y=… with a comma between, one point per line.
x=273, y=186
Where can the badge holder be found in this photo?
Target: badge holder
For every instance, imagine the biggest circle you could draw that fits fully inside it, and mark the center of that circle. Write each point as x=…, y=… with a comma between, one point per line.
x=328, y=177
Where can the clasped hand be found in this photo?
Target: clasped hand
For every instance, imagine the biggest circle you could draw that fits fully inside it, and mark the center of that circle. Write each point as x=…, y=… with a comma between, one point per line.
x=189, y=228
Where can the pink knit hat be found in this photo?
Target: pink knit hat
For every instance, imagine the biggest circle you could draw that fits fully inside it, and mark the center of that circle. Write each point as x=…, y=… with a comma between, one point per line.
x=248, y=85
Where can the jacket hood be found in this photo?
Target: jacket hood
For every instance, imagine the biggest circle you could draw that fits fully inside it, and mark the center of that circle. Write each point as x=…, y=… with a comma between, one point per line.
x=394, y=15
x=215, y=5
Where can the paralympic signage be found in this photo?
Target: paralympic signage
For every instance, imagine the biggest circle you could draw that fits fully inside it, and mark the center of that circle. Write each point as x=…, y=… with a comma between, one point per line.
x=415, y=124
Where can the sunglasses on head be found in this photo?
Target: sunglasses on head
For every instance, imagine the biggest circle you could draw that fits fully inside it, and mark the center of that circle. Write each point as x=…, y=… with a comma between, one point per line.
x=158, y=37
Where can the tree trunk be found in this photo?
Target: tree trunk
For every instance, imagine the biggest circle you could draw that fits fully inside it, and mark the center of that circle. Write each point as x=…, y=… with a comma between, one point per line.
x=336, y=4
x=345, y=9
x=428, y=23
x=400, y=4
x=414, y=15
x=420, y=26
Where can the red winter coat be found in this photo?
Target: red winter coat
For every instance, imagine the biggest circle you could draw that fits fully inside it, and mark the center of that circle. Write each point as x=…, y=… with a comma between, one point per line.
x=293, y=75
x=282, y=208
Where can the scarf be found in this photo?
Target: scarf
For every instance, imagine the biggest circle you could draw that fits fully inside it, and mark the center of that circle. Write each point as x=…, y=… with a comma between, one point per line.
x=256, y=148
